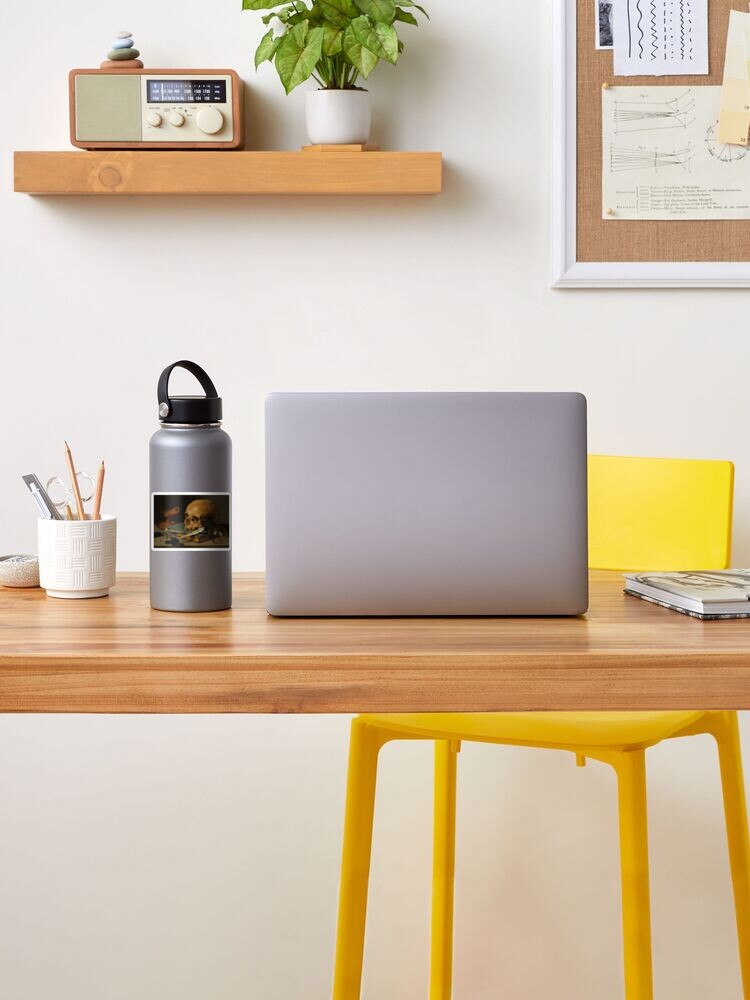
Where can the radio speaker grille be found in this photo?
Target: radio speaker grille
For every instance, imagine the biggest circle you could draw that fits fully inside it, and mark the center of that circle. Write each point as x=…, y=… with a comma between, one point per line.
x=108, y=108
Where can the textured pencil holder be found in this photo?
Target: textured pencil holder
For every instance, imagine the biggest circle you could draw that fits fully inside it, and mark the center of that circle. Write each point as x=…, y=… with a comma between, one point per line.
x=77, y=558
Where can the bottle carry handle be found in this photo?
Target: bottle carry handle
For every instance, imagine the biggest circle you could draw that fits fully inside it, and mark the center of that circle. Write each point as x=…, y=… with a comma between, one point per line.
x=165, y=402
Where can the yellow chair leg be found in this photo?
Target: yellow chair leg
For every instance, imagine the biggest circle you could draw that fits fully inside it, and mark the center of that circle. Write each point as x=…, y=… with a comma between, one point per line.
x=443, y=870
x=636, y=908
x=364, y=746
x=735, y=809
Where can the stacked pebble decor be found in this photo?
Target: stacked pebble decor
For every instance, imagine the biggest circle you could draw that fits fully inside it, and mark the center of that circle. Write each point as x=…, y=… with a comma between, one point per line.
x=122, y=54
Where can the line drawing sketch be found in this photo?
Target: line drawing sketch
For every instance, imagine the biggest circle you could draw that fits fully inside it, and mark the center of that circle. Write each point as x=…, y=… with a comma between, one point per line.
x=682, y=29
x=630, y=32
x=660, y=37
x=651, y=116
x=724, y=152
x=663, y=157
x=623, y=158
x=640, y=29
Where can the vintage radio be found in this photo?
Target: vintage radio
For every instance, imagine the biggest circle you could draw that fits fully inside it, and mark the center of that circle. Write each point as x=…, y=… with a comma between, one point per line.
x=156, y=109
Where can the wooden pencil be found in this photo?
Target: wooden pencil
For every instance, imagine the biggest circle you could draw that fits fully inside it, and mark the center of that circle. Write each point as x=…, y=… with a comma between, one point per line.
x=74, y=483
x=96, y=512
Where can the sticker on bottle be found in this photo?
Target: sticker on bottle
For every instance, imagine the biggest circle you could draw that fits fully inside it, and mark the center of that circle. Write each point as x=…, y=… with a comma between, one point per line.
x=198, y=522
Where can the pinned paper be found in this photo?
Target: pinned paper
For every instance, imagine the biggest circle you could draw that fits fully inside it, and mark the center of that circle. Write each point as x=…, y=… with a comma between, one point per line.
x=662, y=157
x=603, y=18
x=734, y=117
x=661, y=37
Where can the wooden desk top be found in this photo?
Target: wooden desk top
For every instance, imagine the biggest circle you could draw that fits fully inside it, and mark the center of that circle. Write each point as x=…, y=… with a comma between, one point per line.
x=117, y=655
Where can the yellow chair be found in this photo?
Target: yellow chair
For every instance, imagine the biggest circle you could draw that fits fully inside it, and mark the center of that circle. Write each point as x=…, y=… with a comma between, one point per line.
x=644, y=513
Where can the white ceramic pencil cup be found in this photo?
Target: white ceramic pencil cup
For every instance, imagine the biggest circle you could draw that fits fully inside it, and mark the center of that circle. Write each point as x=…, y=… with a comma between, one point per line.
x=77, y=558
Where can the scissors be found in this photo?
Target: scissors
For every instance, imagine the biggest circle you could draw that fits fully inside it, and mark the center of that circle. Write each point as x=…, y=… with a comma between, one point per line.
x=62, y=495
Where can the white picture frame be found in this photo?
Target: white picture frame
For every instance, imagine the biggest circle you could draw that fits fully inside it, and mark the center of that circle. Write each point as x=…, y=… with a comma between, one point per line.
x=567, y=270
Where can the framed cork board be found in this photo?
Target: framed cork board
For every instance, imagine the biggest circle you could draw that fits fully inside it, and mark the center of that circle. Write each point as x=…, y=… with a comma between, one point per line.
x=590, y=249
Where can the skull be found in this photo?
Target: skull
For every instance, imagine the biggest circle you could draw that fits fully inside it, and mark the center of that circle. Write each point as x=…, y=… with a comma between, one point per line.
x=200, y=514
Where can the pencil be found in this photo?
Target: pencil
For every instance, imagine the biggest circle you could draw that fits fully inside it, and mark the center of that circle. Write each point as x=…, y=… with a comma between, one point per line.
x=96, y=513
x=74, y=483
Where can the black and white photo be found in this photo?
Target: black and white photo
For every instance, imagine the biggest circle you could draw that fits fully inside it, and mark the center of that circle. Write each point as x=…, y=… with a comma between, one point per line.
x=603, y=14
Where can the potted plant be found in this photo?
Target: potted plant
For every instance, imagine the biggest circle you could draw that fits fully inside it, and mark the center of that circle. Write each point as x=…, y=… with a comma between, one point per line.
x=335, y=42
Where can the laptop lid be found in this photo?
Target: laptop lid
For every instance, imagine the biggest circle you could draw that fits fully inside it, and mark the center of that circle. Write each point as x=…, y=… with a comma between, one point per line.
x=426, y=504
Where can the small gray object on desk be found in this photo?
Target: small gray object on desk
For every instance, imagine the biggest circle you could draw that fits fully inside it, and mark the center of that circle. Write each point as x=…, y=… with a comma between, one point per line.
x=19, y=571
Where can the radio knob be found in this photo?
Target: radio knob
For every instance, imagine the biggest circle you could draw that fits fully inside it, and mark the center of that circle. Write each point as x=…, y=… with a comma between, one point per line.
x=154, y=119
x=210, y=120
x=176, y=119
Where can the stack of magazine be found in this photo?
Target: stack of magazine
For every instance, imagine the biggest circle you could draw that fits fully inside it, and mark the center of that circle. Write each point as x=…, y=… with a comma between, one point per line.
x=707, y=595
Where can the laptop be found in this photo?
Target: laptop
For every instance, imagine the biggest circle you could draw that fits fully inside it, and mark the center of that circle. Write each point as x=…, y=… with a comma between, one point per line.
x=426, y=503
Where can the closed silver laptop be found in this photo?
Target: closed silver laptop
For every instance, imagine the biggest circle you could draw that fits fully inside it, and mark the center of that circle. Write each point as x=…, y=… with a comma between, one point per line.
x=426, y=503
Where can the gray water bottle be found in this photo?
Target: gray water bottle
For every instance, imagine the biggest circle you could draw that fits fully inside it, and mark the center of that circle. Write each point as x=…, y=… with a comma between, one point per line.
x=191, y=493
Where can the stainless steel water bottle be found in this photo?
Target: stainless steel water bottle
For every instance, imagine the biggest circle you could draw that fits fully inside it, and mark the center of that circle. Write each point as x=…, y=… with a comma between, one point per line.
x=191, y=492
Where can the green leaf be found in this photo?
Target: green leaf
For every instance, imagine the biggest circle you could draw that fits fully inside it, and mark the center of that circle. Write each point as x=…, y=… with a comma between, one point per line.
x=406, y=17
x=361, y=58
x=410, y=3
x=383, y=11
x=389, y=41
x=338, y=12
x=380, y=39
x=333, y=40
x=261, y=4
x=267, y=48
x=282, y=15
x=289, y=15
x=297, y=55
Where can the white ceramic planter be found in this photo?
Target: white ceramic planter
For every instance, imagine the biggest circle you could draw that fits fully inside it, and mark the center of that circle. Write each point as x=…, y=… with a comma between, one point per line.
x=77, y=558
x=334, y=117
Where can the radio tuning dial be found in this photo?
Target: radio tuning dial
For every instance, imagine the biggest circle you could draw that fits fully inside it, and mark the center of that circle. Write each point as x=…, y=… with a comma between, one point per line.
x=210, y=120
x=154, y=119
x=176, y=119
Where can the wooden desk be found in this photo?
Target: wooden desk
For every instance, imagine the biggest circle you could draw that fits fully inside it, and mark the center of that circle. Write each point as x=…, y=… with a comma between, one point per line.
x=117, y=655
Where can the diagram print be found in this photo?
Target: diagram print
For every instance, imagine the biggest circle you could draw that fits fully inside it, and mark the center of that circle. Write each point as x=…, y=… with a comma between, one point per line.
x=622, y=158
x=724, y=152
x=649, y=116
x=662, y=158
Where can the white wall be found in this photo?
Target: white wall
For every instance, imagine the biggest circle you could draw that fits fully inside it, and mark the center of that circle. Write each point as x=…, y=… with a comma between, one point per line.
x=198, y=857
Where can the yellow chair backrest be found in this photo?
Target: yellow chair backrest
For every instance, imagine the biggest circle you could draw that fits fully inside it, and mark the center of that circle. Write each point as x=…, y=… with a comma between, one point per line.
x=659, y=513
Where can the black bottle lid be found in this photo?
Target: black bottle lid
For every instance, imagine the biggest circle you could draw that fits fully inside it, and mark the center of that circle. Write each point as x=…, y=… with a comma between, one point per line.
x=188, y=409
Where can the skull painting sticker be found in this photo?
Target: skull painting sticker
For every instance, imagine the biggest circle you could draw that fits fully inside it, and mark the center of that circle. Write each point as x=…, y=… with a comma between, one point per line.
x=195, y=521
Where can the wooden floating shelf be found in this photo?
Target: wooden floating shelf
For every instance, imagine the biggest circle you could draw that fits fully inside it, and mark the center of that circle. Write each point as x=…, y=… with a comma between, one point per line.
x=122, y=172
